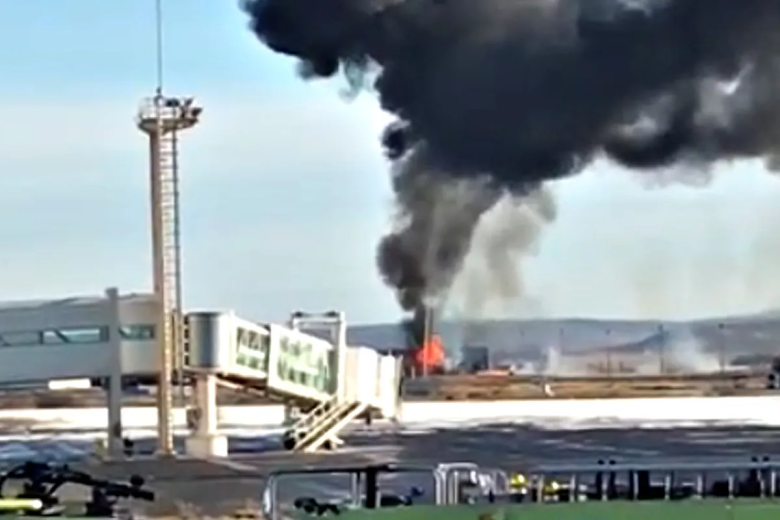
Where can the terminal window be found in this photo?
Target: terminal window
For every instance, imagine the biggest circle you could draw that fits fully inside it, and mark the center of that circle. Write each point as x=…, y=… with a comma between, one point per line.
x=299, y=363
x=74, y=335
x=252, y=340
x=138, y=332
x=20, y=339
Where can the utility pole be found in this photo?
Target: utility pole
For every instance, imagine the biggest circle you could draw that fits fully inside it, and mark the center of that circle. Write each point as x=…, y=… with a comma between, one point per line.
x=427, y=334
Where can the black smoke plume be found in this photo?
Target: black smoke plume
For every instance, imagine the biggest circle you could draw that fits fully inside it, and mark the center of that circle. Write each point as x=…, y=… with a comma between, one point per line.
x=499, y=96
x=418, y=327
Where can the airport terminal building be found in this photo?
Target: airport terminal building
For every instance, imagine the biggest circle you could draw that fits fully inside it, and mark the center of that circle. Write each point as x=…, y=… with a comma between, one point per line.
x=112, y=337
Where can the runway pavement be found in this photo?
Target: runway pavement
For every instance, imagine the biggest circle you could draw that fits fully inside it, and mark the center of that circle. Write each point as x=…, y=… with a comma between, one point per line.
x=220, y=487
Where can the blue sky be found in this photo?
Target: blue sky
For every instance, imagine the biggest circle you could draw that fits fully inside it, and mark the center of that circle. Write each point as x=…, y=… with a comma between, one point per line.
x=285, y=192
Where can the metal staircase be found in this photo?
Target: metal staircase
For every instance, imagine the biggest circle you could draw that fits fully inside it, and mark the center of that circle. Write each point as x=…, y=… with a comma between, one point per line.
x=305, y=423
x=321, y=425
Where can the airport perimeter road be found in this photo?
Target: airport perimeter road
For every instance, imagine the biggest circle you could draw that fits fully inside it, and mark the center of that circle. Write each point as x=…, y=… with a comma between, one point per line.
x=222, y=487
x=516, y=446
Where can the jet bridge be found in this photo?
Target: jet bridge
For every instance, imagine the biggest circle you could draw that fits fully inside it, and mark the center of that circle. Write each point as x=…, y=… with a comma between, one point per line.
x=285, y=364
x=329, y=383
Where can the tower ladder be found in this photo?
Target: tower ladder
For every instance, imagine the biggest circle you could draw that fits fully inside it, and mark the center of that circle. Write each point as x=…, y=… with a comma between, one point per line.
x=171, y=252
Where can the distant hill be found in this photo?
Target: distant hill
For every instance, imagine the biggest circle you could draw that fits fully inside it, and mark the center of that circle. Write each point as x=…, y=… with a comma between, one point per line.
x=733, y=338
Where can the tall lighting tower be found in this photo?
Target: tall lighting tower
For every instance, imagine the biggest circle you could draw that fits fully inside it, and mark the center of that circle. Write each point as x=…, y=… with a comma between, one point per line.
x=161, y=118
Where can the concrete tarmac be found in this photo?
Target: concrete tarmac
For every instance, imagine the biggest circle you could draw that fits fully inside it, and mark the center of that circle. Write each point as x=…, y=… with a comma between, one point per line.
x=222, y=487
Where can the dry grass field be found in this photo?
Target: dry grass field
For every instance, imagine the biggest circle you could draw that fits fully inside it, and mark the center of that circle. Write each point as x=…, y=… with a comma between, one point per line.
x=504, y=387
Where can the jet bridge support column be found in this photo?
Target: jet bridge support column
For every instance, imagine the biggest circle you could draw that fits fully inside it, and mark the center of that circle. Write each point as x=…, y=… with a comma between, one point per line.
x=340, y=343
x=204, y=440
x=115, y=442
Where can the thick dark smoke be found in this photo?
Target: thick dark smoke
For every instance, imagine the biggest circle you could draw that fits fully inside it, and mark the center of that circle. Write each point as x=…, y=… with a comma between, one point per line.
x=419, y=327
x=496, y=96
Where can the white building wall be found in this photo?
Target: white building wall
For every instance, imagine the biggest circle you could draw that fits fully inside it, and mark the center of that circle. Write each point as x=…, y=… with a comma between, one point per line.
x=33, y=316
x=67, y=338
x=19, y=364
x=139, y=353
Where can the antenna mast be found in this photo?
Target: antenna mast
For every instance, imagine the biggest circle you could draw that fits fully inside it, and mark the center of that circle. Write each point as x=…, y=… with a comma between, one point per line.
x=161, y=118
x=159, y=44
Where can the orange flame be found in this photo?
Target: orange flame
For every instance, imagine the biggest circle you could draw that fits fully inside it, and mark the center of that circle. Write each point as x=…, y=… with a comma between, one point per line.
x=430, y=355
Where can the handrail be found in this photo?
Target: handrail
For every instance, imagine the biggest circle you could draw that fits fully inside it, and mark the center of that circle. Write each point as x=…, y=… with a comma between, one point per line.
x=271, y=508
x=331, y=424
x=310, y=418
x=663, y=466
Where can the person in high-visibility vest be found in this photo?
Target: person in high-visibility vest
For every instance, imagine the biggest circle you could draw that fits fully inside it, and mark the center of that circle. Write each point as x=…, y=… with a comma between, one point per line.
x=518, y=482
x=551, y=487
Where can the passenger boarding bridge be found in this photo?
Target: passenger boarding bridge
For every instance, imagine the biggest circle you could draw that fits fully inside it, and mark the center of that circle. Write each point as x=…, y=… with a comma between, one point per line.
x=114, y=337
